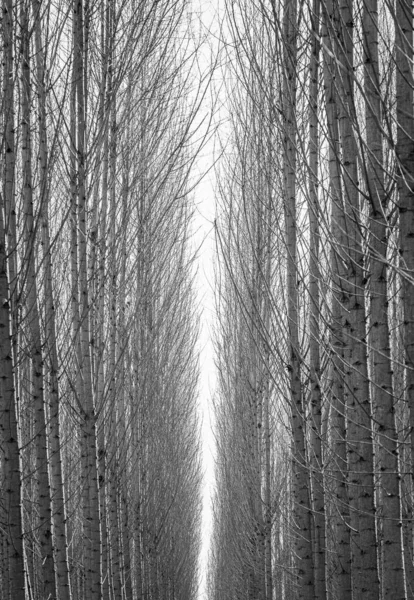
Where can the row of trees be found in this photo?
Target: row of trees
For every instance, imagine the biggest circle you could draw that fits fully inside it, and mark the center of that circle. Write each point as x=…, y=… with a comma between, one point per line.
x=315, y=234
x=98, y=423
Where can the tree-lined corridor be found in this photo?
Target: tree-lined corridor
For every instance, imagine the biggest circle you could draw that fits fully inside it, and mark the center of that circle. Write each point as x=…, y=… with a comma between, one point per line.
x=107, y=106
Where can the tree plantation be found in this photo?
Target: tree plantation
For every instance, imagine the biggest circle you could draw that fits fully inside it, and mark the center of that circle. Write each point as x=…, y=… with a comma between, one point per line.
x=100, y=468
x=107, y=105
x=314, y=288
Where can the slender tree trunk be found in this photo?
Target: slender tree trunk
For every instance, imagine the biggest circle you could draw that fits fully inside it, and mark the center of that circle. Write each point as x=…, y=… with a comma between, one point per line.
x=379, y=335
x=9, y=215
x=342, y=557
x=405, y=173
x=300, y=484
x=357, y=397
x=112, y=368
x=123, y=362
x=47, y=575
x=267, y=496
x=74, y=270
x=256, y=392
x=90, y=490
x=266, y=404
x=405, y=180
x=11, y=510
x=100, y=335
x=126, y=415
x=341, y=509
x=4, y=568
x=56, y=478
x=316, y=458
x=11, y=495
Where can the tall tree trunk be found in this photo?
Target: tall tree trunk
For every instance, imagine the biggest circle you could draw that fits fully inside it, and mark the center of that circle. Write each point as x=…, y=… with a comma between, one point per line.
x=405, y=179
x=123, y=362
x=379, y=335
x=90, y=492
x=47, y=575
x=357, y=394
x=9, y=214
x=342, y=557
x=52, y=364
x=112, y=367
x=341, y=509
x=316, y=458
x=300, y=483
x=12, y=534
x=100, y=288
x=11, y=510
x=266, y=400
x=257, y=394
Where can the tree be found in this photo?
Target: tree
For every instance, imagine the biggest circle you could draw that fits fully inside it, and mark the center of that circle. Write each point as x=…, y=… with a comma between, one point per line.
x=13, y=583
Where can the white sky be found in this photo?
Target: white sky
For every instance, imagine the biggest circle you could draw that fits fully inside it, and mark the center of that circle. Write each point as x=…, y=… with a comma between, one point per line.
x=204, y=238
x=203, y=226
x=203, y=221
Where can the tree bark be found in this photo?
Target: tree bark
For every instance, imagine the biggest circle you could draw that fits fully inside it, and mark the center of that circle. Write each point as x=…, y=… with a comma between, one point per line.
x=357, y=394
x=9, y=215
x=90, y=491
x=47, y=575
x=379, y=335
x=11, y=494
x=11, y=510
x=405, y=181
x=316, y=458
x=112, y=367
x=52, y=363
x=342, y=557
x=300, y=483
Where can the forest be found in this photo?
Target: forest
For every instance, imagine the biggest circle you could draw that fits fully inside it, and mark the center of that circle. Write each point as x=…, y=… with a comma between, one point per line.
x=98, y=420
x=109, y=112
